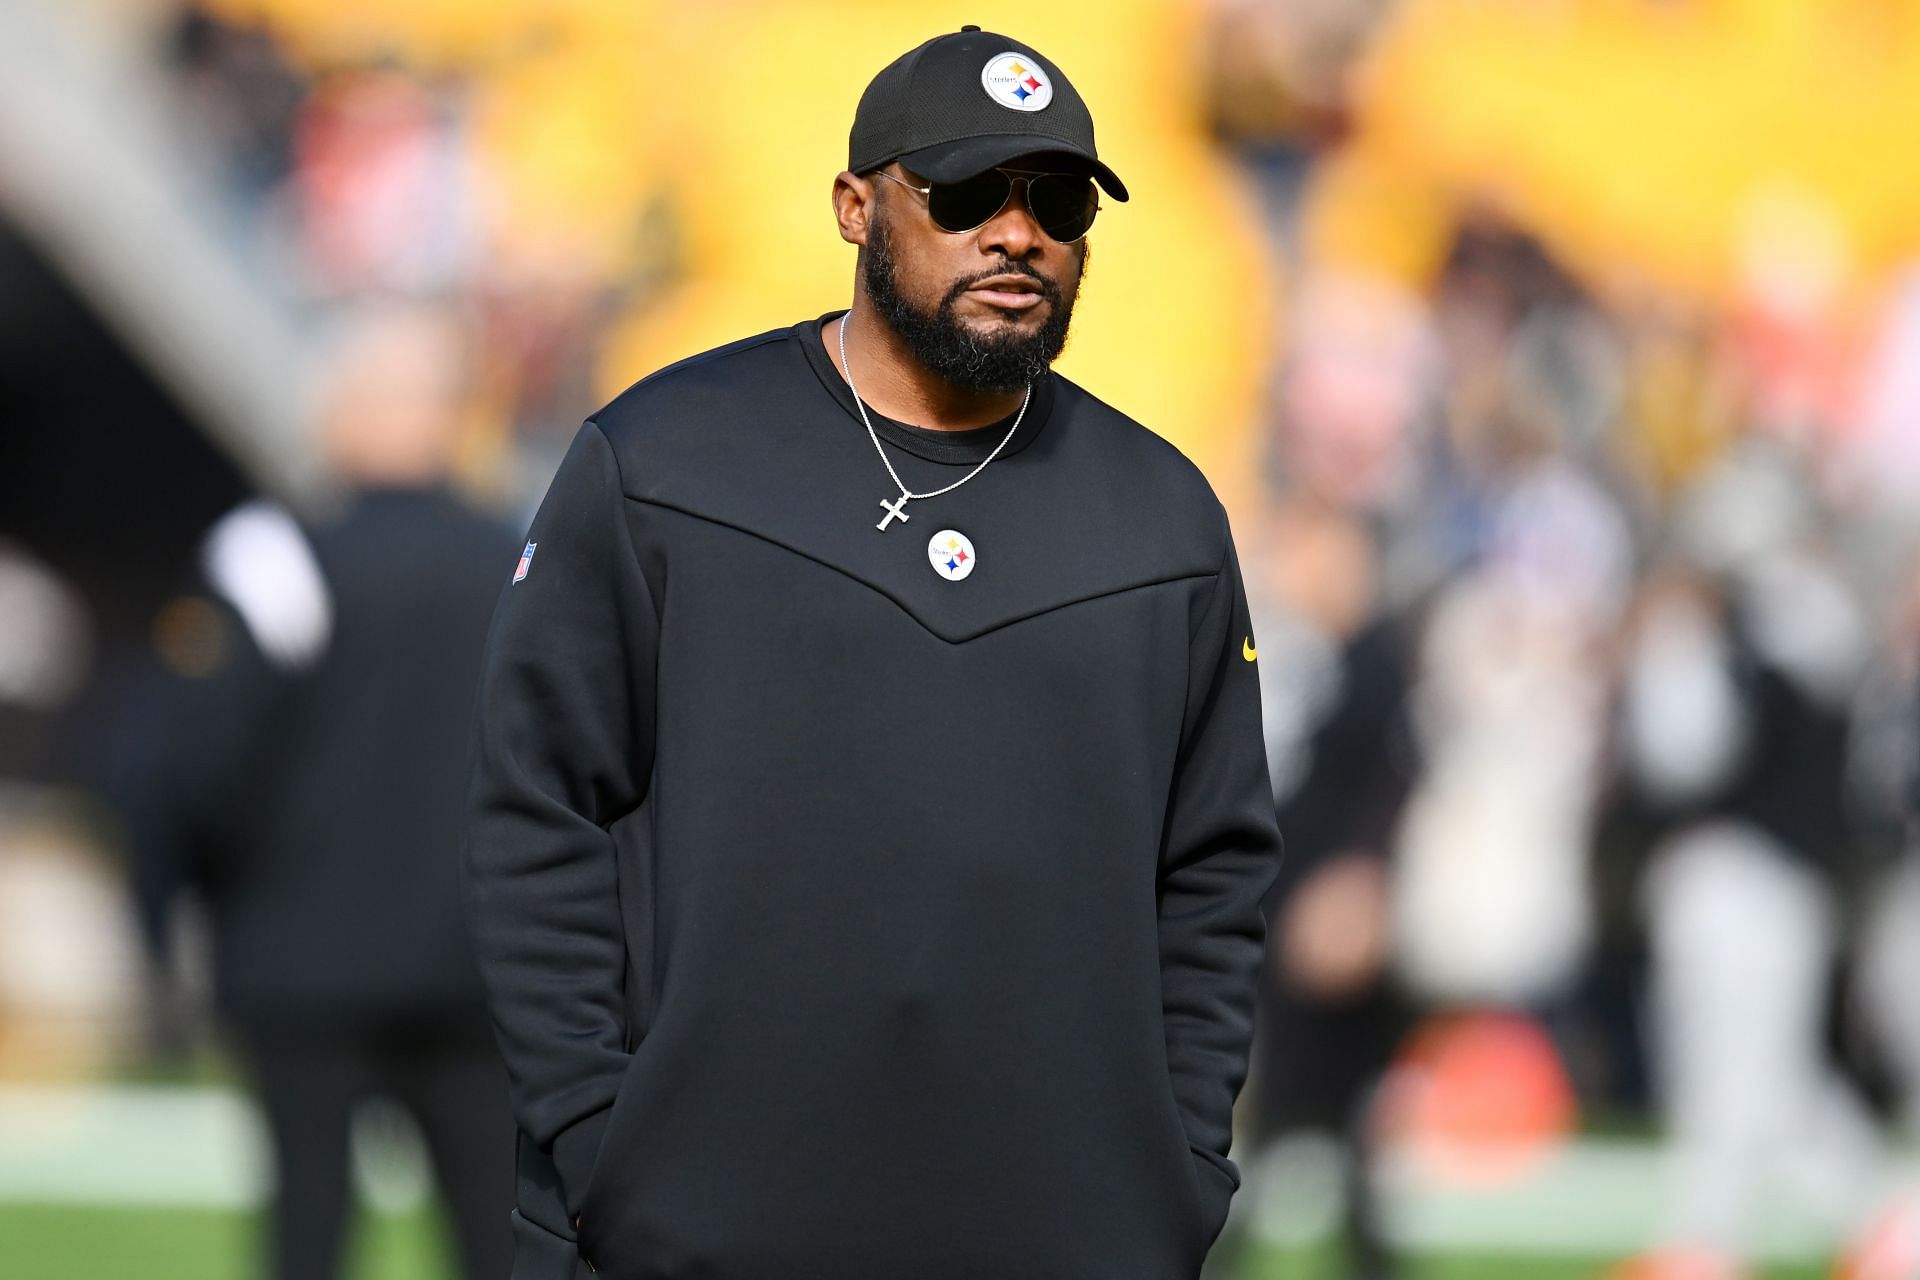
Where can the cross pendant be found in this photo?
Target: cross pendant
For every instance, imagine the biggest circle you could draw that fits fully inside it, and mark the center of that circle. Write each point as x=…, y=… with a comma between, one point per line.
x=894, y=511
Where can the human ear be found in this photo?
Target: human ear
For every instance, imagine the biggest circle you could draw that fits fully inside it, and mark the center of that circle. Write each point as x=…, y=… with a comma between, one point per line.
x=853, y=198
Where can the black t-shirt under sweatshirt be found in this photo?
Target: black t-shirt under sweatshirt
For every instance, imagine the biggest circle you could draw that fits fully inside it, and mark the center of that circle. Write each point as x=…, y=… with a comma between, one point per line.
x=846, y=915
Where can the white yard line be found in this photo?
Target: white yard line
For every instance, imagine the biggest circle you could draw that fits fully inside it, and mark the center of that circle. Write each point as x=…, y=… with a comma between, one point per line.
x=134, y=1145
x=1599, y=1196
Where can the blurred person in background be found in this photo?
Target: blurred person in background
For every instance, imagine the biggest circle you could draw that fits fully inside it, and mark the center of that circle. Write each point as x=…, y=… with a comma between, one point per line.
x=1741, y=669
x=868, y=898
x=303, y=773
x=1334, y=690
x=1443, y=573
x=1519, y=558
x=1278, y=85
x=1330, y=1014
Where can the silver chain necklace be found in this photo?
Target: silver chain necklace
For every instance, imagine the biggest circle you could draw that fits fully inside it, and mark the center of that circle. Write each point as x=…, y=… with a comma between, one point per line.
x=896, y=510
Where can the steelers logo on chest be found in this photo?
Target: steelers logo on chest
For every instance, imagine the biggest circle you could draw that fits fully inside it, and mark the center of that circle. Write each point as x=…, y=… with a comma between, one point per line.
x=951, y=554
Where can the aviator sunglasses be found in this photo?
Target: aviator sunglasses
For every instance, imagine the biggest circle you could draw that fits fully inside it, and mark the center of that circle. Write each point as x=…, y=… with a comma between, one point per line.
x=1063, y=204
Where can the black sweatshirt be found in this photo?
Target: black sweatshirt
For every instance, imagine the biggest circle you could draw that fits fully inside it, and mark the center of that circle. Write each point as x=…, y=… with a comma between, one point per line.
x=319, y=804
x=848, y=919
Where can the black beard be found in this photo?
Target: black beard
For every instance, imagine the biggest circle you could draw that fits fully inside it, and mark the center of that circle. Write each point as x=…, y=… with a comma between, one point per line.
x=999, y=364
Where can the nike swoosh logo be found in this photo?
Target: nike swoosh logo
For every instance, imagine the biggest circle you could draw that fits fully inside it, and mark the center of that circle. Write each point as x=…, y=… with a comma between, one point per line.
x=1246, y=648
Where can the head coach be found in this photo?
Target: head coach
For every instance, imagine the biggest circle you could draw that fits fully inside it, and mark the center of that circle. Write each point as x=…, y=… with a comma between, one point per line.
x=870, y=815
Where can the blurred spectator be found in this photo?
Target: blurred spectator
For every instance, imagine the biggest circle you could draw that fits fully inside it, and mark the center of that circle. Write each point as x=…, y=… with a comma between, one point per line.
x=1278, y=80
x=1521, y=559
x=241, y=97
x=380, y=196
x=305, y=775
x=1340, y=744
x=1740, y=671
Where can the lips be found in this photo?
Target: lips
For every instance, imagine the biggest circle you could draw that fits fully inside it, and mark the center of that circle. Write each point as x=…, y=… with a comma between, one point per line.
x=1010, y=290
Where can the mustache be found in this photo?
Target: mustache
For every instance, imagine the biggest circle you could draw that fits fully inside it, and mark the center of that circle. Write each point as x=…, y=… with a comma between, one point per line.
x=1049, y=289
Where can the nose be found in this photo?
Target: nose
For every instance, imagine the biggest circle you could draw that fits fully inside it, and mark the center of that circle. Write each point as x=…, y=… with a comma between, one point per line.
x=1013, y=231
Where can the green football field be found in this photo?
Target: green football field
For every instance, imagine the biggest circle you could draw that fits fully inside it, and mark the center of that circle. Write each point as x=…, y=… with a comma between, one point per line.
x=58, y=1243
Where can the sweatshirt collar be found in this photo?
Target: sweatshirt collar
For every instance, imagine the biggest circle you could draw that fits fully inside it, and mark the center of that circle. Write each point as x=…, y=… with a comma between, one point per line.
x=966, y=447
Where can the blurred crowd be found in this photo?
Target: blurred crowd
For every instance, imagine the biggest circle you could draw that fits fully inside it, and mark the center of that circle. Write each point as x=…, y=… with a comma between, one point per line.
x=1582, y=516
x=1592, y=609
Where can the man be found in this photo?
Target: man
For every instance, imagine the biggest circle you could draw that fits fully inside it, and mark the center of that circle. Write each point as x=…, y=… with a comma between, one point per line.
x=870, y=814
x=296, y=762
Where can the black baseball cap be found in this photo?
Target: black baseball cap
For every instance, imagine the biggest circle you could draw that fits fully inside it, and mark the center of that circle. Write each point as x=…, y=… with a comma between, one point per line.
x=965, y=102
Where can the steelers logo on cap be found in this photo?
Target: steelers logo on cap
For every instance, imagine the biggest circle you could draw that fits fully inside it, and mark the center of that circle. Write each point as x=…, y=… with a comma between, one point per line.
x=950, y=554
x=1015, y=80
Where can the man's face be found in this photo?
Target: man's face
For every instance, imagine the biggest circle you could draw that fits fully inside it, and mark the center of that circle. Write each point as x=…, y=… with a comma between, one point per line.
x=985, y=310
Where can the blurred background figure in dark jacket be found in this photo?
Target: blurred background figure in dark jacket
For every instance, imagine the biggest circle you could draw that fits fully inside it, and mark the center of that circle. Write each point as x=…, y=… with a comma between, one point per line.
x=1344, y=763
x=302, y=775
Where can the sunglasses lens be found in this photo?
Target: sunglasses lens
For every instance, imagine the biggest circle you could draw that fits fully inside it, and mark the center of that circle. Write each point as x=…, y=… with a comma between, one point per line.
x=1063, y=206
x=964, y=205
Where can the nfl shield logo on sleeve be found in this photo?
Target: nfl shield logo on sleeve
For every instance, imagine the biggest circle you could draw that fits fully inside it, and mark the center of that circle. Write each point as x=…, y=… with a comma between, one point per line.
x=526, y=558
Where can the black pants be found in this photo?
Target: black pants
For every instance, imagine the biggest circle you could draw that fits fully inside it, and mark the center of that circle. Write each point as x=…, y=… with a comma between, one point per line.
x=451, y=1082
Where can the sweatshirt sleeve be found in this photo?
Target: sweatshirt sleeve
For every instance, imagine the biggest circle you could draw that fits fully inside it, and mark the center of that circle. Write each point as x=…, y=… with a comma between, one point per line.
x=563, y=747
x=1221, y=854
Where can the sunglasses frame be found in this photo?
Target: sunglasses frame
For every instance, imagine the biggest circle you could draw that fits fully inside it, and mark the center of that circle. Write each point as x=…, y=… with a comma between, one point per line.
x=1015, y=177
